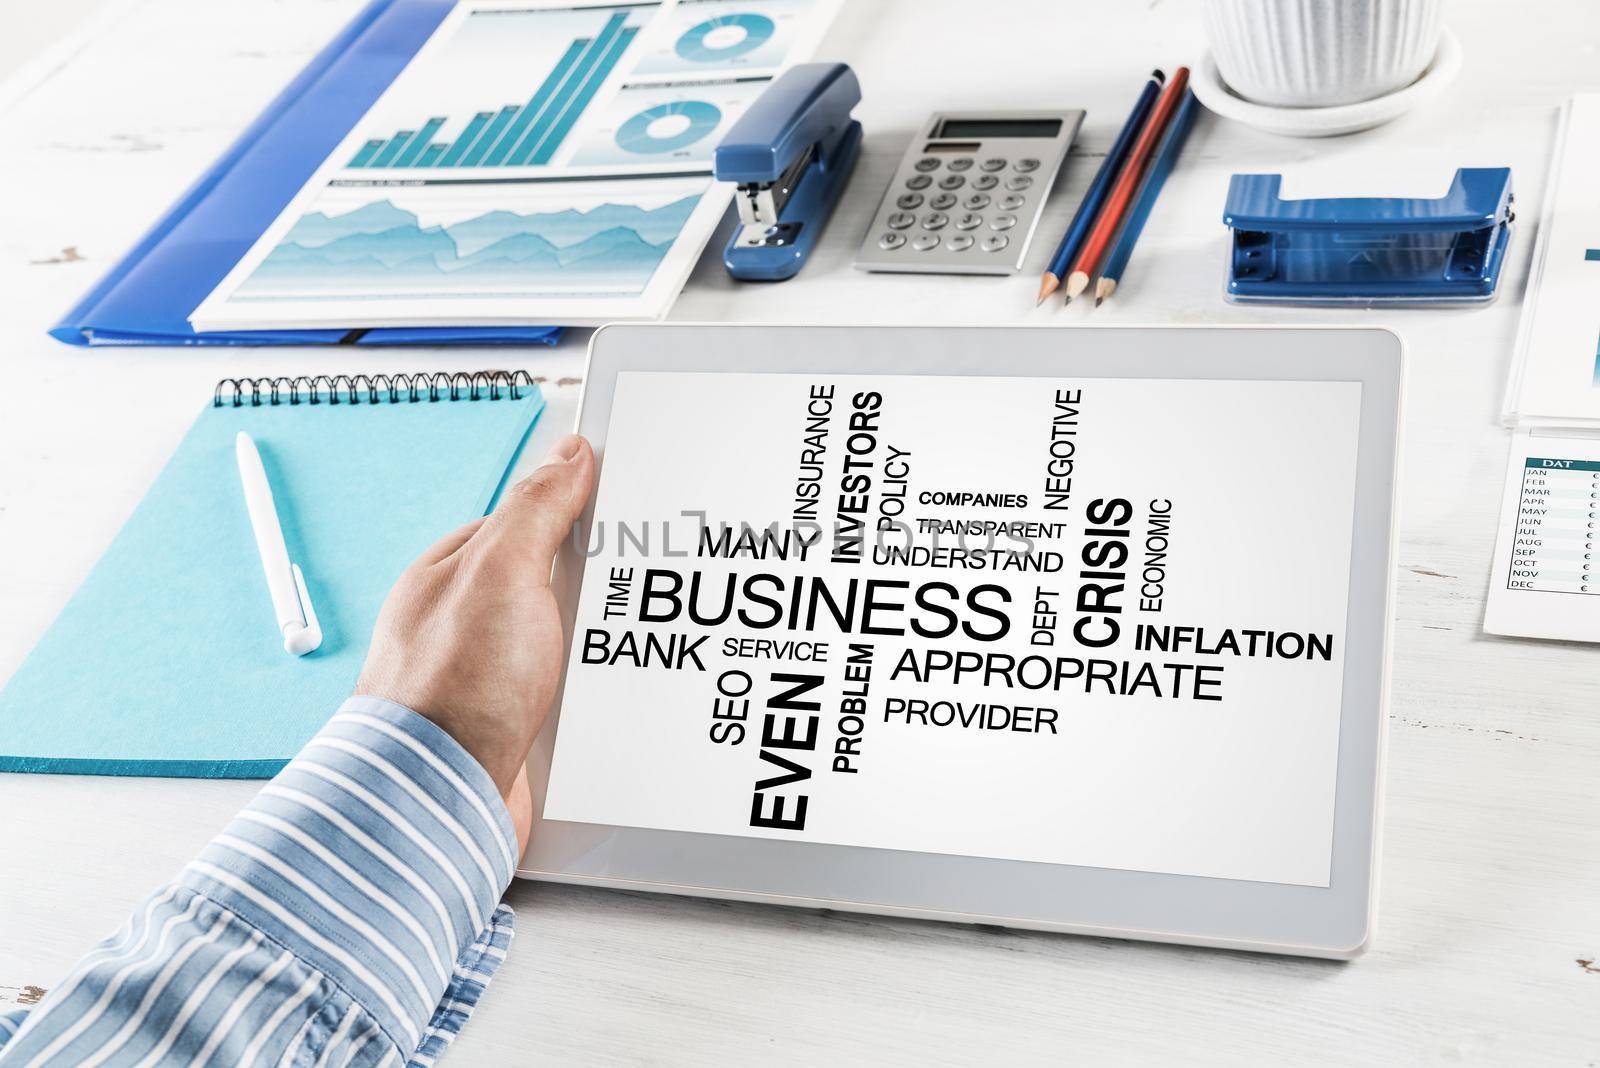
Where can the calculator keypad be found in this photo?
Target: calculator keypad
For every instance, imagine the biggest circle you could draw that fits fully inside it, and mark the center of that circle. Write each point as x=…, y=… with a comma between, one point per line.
x=966, y=211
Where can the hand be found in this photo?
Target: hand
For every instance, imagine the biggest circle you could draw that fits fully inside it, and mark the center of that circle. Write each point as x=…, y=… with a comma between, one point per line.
x=470, y=636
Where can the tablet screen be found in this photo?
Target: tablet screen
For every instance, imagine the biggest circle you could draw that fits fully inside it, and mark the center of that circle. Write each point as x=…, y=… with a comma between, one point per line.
x=1073, y=621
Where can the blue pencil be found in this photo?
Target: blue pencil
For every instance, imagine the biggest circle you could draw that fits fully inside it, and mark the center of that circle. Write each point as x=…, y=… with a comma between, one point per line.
x=1078, y=229
x=1166, y=156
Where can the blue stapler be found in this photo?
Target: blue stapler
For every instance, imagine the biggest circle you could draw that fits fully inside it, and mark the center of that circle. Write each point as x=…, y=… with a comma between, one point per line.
x=1369, y=250
x=791, y=154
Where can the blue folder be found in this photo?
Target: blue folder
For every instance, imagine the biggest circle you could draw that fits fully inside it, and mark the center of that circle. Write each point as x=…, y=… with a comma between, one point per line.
x=147, y=298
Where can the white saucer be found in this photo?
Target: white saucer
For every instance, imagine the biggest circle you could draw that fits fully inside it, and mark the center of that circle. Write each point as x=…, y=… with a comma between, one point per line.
x=1209, y=87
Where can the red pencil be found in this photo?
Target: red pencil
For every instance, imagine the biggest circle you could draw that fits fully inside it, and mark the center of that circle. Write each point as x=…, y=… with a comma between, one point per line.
x=1116, y=205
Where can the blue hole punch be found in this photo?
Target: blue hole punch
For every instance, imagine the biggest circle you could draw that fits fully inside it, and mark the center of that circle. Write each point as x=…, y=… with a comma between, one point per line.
x=1369, y=250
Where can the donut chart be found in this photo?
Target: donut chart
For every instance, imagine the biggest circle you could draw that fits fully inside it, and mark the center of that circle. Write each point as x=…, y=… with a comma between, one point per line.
x=724, y=37
x=688, y=121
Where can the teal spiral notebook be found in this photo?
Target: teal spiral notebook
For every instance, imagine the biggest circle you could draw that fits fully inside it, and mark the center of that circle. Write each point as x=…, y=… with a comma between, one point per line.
x=168, y=659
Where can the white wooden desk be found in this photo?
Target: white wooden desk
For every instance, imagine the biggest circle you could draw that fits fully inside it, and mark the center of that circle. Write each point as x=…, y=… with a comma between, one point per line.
x=1490, y=900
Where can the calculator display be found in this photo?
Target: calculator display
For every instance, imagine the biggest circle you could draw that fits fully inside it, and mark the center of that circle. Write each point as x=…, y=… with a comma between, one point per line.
x=999, y=128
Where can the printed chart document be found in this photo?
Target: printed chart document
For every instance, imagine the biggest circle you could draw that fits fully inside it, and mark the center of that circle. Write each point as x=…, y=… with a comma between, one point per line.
x=1540, y=586
x=1094, y=622
x=536, y=162
x=1545, y=582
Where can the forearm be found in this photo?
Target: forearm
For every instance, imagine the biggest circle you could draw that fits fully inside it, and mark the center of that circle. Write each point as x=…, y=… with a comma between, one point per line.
x=326, y=921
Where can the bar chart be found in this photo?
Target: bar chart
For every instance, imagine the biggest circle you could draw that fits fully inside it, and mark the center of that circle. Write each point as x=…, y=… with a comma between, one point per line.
x=515, y=135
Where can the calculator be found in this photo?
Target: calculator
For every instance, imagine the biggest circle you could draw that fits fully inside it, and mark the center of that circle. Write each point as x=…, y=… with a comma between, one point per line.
x=968, y=194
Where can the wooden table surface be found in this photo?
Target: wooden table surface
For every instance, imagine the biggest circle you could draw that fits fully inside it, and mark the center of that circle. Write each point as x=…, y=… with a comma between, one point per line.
x=1488, y=929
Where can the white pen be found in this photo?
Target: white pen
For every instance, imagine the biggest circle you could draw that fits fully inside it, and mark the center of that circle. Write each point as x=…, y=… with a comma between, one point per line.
x=297, y=620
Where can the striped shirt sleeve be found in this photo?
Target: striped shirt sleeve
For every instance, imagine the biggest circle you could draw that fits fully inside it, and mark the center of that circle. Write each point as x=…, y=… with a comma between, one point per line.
x=349, y=916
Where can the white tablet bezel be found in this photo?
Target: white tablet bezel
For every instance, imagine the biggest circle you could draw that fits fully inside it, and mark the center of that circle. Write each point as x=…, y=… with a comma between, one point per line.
x=1331, y=922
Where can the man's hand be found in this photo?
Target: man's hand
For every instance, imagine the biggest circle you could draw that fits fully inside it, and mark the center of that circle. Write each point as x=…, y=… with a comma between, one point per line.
x=470, y=636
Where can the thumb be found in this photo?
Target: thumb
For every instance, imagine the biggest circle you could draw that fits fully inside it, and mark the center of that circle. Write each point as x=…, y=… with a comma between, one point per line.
x=537, y=512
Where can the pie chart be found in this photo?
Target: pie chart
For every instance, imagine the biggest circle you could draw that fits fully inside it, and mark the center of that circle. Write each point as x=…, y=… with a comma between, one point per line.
x=666, y=127
x=724, y=37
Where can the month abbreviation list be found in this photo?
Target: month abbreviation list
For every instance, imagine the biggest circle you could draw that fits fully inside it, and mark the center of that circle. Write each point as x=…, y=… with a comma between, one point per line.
x=1554, y=548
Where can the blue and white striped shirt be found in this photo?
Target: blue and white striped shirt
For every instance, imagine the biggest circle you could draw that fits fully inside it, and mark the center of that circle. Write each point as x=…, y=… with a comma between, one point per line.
x=348, y=917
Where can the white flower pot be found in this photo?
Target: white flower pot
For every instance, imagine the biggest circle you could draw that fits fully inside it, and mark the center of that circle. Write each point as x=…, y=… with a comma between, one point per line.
x=1318, y=53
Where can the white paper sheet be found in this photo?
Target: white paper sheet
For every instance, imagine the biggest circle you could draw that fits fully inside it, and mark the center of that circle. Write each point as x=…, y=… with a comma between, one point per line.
x=1555, y=372
x=1545, y=582
x=1057, y=529
x=537, y=162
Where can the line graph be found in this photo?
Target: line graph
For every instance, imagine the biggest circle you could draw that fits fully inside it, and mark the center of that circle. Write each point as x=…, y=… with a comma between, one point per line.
x=381, y=247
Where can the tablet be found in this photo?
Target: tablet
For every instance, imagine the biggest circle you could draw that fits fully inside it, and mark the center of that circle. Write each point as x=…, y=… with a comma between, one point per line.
x=1074, y=629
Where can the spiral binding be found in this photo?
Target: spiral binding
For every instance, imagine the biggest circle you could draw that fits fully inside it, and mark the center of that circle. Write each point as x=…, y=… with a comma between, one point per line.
x=371, y=389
